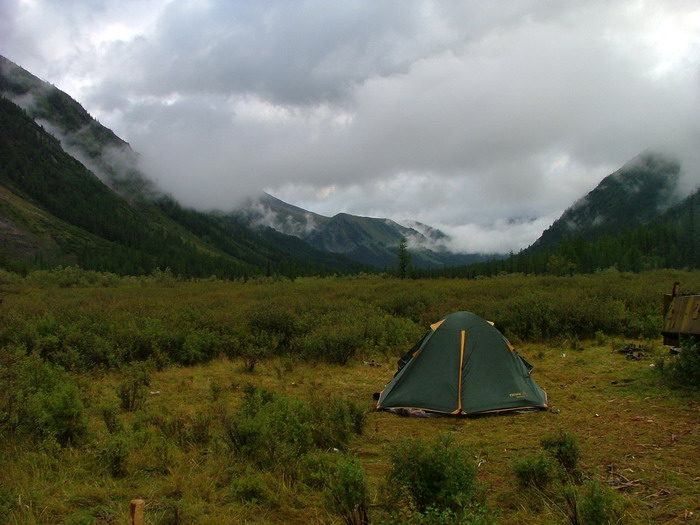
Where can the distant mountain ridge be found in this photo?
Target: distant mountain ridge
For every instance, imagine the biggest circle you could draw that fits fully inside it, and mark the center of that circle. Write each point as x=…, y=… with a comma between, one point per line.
x=245, y=241
x=367, y=240
x=71, y=193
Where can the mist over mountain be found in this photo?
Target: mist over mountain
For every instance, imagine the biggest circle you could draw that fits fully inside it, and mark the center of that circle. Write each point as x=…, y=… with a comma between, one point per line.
x=641, y=190
x=72, y=192
x=368, y=240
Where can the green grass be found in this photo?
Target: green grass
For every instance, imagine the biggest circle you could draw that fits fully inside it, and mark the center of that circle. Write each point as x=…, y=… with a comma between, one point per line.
x=636, y=435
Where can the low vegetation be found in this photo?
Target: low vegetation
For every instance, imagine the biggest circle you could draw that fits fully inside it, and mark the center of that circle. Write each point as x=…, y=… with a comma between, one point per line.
x=251, y=402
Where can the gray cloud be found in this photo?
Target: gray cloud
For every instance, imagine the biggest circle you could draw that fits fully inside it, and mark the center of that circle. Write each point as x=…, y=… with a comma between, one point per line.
x=462, y=114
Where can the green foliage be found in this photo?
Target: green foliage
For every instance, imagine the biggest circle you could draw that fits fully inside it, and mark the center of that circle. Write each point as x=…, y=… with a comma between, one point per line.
x=533, y=470
x=199, y=346
x=316, y=468
x=275, y=324
x=437, y=475
x=60, y=413
x=335, y=345
x=536, y=470
x=132, y=390
x=186, y=430
x=348, y=493
x=564, y=447
x=110, y=416
x=598, y=506
x=114, y=456
x=683, y=370
x=273, y=430
x=8, y=500
x=404, y=259
x=215, y=390
x=592, y=504
x=39, y=399
x=253, y=349
x=251, y=486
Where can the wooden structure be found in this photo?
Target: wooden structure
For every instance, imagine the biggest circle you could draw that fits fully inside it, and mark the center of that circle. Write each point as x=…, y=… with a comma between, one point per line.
x=136, y=512
x=681, y=316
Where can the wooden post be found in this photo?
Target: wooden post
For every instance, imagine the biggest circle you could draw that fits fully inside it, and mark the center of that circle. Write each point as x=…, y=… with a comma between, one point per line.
x=137, y=512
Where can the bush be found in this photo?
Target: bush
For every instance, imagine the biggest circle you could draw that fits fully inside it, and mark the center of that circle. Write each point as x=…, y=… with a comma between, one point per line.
x=199, y=346
x=250, y=486
x=277, y=322
x=253, y=349
x=565, y=449
x=110, y=416
x=683, y=370
x=114, y=456
x=335, y=346
x=61, y=414
x=533, y=470
x=438, y=475
x=594, y=504
x=39, y=399
x=273, y=430
x=316, y=468
x=347, y=494
x=336, y=419
x=598, y=505
x=132, y=390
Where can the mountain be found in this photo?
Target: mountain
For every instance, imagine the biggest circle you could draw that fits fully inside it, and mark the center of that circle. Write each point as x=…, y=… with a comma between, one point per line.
x=71, y=193
x=367, y=240
x=637, y=193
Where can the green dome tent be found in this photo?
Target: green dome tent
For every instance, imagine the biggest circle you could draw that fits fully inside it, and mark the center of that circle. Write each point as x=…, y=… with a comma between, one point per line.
x=464, y=366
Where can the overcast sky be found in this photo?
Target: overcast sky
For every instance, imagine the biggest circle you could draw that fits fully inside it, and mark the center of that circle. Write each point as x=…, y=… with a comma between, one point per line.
x=484, y=118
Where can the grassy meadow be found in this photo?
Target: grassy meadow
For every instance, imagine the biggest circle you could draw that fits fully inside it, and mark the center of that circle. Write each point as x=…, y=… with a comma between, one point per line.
x=251, y=402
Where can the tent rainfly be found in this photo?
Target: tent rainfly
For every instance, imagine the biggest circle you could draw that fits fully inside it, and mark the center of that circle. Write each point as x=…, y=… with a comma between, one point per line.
x=463, y=366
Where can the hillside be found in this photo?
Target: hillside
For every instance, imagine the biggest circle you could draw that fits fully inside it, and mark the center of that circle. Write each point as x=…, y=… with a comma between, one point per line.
x=367, y=240
x=83, y=179
x=54, y=210
x=637, y=193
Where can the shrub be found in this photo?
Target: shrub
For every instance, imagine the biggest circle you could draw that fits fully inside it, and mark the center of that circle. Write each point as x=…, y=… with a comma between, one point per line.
x=273, y=430
x=132, y=390
x=215, y=390
x=408, y=306
x=316, y=468
x=683, y=370
x=110, y=416
x=434, y=475
x=61, y=414
x=594, y=504
x=254, y=349
x=250, y=486
x=277, y=322
x=533, y=470
x=598, y=506
x=39, y=399
x=565, y=449
x=335, y=420
x=198, y=346
x=347, y=493
x=335, y=346
x=114, y=455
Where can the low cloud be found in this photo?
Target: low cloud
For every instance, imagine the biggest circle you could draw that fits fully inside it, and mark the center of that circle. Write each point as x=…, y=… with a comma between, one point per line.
x=466, y=115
